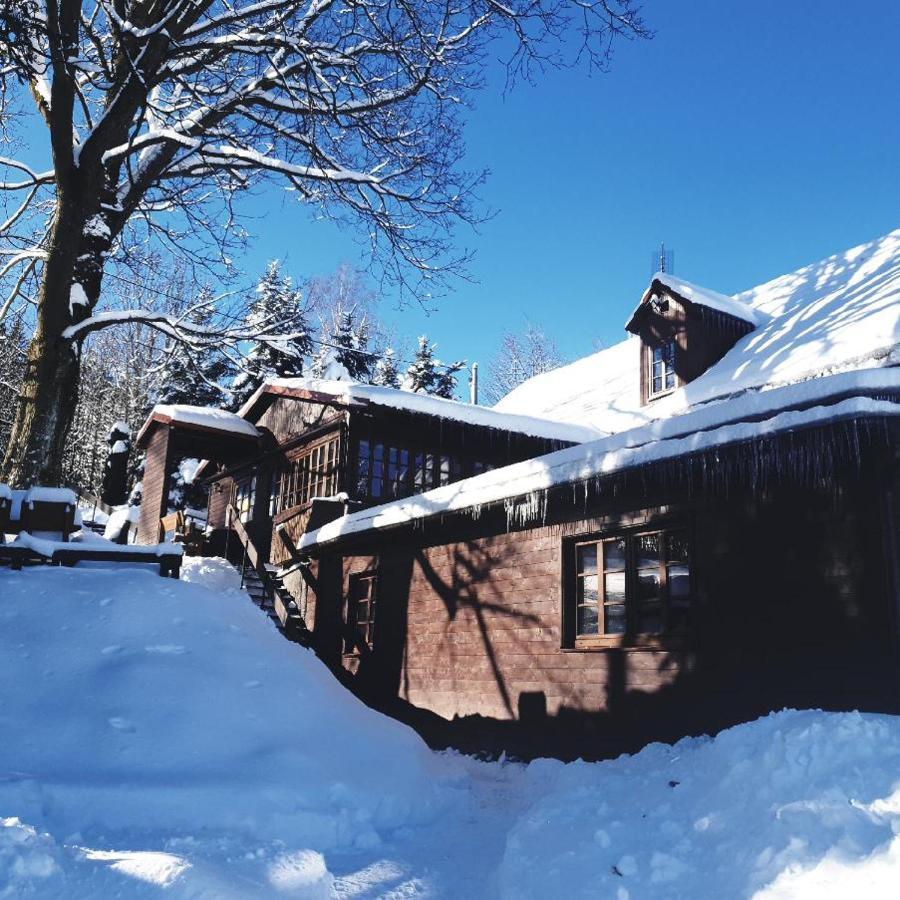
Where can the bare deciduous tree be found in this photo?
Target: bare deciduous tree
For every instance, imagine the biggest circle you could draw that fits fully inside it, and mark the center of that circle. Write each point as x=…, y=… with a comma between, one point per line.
x=158, y=112
x=520, y=357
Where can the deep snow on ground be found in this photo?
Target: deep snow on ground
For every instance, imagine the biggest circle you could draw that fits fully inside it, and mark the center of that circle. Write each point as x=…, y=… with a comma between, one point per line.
x=160, y=739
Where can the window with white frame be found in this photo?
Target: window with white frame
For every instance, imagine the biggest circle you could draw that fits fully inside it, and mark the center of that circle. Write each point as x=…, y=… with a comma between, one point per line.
x=661, y=377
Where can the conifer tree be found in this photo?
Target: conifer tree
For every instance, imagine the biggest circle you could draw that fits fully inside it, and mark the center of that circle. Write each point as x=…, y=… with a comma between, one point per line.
x=194, y=375
x=427, y=375
x=350, y=343
x=276, y=310
x=386, y=372
x=445, y=385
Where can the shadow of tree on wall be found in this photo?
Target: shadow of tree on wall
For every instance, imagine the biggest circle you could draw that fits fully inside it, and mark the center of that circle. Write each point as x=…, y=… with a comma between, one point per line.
x=790, y=612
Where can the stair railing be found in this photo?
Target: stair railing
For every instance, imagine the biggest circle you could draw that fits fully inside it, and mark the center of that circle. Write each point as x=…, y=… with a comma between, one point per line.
x=252, y=555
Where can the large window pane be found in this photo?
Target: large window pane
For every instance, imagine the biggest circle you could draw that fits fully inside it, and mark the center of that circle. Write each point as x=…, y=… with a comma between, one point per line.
x=679, y=578
x=587, y=620
x=614, y=554
x=677, y=547
x=650, y=617
x=614, y=587
x=648, y=585
x=614, y=618
x=588, y=589
x=586, y=558
x=646, y=550
x=377, y=469
x=419, y=467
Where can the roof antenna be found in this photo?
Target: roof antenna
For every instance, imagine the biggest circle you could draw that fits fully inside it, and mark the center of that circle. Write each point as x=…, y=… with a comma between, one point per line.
x=662, y=260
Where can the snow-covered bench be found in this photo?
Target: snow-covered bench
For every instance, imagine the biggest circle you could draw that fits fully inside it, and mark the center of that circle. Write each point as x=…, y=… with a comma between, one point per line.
x=43, y=511
x=88, y=547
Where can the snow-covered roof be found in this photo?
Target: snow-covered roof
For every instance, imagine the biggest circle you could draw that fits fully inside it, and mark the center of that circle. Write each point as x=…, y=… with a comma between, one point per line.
x=838, y=314
x=202, y=417
x=816, y=402
x=354, y=393
x=829, y=340
x=701, y=296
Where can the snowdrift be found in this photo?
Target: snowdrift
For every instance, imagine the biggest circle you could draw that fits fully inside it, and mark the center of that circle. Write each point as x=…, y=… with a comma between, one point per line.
x=145, y=708
x=797, y=804
x=159, y=738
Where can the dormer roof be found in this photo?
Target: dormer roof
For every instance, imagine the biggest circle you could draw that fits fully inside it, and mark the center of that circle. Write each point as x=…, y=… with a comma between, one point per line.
x=692, y=295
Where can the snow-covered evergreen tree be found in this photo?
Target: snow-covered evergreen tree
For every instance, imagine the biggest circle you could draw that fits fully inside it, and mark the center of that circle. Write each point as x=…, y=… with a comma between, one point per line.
x=445, y=386
x=386, y=372
x=428, y=375
x=195, y=375
x=350, y=343
x=277, y=310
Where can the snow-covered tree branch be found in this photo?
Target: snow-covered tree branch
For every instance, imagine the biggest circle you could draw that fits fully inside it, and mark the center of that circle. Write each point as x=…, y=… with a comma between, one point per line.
x=159, y=112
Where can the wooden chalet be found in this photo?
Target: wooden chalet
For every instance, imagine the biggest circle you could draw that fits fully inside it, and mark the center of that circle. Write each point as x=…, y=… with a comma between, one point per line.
x=720, y=540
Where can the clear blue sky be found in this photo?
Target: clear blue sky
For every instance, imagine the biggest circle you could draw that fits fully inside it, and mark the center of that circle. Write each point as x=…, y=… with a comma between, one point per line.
x=751, y=138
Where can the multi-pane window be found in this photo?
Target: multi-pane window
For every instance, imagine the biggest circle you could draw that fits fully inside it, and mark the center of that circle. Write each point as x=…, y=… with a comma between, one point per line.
x=313, y=473
x=632, y=584
x=386, y=471
x=361, y=611
x=244, y=497
x=662, y=368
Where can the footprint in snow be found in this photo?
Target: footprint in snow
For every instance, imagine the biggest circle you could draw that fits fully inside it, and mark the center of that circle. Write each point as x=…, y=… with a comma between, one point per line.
x=113, y=648
x=166, y=649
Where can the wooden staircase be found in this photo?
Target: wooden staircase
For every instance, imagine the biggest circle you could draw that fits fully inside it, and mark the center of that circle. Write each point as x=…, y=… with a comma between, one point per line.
x=266, y=589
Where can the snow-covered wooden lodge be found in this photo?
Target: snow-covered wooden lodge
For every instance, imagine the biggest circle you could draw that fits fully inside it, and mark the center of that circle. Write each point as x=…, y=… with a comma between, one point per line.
x=680, y=532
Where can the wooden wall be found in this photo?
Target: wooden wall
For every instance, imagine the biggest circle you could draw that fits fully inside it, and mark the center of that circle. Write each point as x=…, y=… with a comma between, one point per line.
x=154, y=485
x=287, y=418
x=219, y=498
x=791, y=608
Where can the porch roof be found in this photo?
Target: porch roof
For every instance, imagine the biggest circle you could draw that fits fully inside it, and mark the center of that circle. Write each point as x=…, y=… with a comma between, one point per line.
x=202, y=433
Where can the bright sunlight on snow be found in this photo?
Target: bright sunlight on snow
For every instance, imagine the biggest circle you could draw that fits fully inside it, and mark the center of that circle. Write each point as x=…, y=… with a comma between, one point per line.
x=162, y=739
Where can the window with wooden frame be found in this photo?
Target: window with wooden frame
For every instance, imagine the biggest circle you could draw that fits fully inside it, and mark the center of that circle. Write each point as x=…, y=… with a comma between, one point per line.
x=312, y=473
x=661, y=378
x=361, y=601
x=244, y=497
x=386, y=471
x=634, y=585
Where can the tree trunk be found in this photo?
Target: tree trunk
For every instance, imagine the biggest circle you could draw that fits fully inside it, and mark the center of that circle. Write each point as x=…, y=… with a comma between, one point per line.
x=44, y=414
x=49, y=391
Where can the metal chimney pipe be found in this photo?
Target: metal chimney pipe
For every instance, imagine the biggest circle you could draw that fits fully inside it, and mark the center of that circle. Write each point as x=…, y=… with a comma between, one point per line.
x=473, y=385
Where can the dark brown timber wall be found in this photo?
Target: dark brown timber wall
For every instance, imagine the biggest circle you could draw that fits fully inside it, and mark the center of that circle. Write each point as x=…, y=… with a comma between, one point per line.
x=154, y=485
x=794, y=605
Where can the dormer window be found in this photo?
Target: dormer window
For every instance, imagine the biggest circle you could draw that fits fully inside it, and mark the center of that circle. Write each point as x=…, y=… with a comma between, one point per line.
x=684, y=329
x=662, y=369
